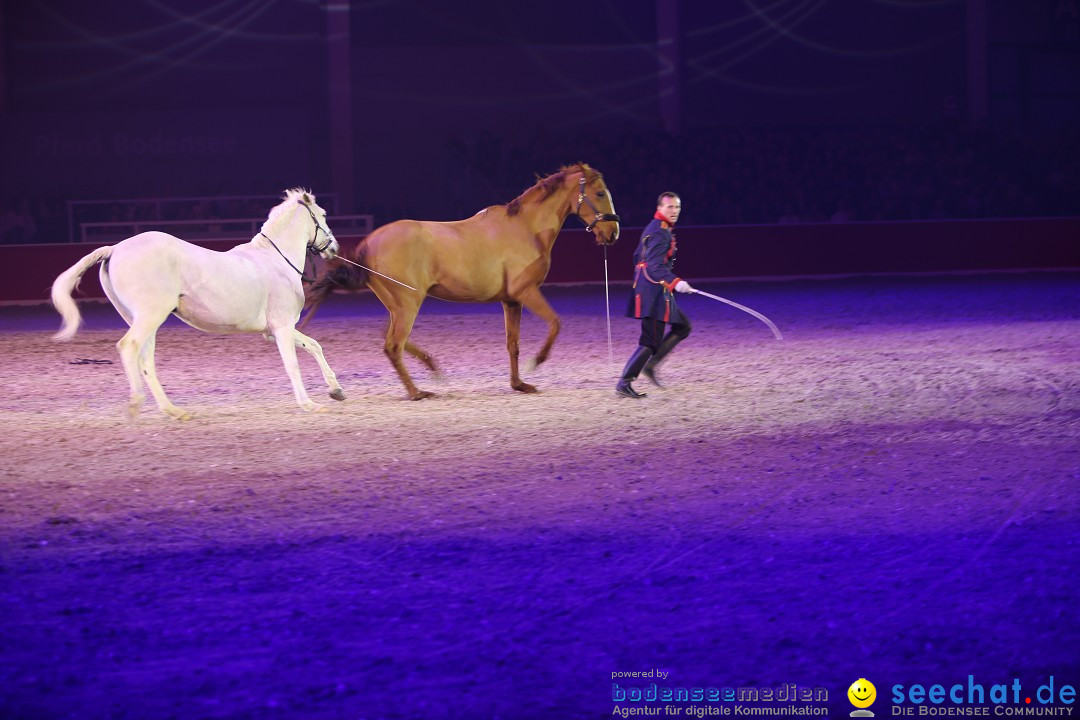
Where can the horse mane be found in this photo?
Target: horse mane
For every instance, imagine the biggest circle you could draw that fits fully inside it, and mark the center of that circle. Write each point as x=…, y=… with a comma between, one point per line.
x=291, y=197
x=548, y=185
x=300, y=195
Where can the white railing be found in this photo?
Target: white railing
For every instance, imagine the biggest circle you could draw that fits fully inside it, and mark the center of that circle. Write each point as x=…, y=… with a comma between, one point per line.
x=213, y=229
x=158, y=209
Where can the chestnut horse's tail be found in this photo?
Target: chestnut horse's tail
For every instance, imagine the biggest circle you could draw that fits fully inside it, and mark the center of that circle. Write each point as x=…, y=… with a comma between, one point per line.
x=339, y=274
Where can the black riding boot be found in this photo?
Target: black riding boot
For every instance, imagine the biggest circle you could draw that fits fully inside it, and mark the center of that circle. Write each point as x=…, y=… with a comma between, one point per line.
x=630, y=373
x=666, y=346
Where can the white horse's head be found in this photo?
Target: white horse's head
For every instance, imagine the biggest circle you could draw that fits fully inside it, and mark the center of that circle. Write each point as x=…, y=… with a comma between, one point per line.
x=300, y=214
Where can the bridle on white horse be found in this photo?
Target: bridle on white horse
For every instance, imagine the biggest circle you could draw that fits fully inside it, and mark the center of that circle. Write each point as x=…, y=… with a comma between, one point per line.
x=311, y=247
x=599, y=217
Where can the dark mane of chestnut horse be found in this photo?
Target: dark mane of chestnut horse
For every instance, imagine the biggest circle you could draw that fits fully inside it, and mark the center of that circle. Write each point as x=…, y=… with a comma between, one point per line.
x=548, y=185
x=347, y=276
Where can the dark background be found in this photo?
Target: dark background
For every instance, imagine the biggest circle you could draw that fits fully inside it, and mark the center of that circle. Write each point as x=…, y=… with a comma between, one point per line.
x=755, y=111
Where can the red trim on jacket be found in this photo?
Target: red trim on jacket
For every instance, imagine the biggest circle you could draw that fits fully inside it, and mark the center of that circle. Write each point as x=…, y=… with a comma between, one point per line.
x=662, y=218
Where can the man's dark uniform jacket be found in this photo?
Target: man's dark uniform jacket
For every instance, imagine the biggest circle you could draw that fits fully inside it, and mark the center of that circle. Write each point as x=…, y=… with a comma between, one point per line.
x=653, y=295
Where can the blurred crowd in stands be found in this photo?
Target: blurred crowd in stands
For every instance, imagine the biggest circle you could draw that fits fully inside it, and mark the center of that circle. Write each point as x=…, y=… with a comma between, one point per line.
x=26, y=221
x=724, y=175
x=48, y=221
x=763, y=176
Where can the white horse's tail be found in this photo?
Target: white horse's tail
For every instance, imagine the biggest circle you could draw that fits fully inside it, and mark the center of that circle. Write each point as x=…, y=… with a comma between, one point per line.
x=63, y=287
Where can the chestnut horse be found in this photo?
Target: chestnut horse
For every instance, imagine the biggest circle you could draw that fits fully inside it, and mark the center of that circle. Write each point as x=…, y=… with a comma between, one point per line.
x=503, y=253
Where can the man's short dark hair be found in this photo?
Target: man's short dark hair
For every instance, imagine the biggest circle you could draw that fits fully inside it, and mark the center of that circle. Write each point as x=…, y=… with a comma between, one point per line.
x=660, y=200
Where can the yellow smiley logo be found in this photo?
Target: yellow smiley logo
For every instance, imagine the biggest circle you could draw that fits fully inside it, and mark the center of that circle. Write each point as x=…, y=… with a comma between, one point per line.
x=862, y=693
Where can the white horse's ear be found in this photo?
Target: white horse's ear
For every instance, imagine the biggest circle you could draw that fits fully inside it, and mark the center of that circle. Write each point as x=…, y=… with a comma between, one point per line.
x=306, y=199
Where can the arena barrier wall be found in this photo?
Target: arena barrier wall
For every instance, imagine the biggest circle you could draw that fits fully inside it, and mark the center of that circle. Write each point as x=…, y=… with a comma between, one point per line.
x=710, y=252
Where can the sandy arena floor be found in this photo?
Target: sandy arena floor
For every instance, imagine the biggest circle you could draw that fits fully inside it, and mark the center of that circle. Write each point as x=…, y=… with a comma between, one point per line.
x=890, y=493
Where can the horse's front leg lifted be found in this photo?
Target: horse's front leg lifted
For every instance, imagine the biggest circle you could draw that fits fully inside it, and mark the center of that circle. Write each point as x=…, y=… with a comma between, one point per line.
x=538, y=305
x=286, y=344
x=315, y=350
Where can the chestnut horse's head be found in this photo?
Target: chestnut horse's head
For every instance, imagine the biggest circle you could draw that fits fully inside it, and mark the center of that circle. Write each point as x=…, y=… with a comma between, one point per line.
x=595, y=207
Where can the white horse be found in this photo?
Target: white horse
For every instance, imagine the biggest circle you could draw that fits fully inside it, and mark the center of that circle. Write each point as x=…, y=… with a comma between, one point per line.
x=254, y=287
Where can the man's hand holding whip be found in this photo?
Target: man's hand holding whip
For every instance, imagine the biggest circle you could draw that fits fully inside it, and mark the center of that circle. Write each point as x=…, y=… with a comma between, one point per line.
x=684, y=287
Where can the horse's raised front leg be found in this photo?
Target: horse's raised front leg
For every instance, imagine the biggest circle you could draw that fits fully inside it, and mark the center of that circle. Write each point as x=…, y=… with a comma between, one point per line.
x=315, y=349
x=538, y=305
x=512, y=317
x=286, y=345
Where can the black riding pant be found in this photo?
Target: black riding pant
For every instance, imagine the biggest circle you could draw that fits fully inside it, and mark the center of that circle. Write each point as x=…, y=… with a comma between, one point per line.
x=652, y=332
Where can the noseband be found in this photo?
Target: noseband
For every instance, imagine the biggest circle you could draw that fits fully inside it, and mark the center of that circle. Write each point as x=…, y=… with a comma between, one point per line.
x=311, y=246
x=599, y=217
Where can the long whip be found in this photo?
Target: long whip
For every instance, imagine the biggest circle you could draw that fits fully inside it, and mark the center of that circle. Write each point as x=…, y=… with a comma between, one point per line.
x=342, y=257
x=755, y=313
x=607, y=308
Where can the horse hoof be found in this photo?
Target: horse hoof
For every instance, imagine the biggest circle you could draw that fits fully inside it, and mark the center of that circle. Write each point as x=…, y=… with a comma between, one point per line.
x=530, y=365
x=337, y=394
x=421, y=394
x=176, y=413
x=525, y=388
x=133, y=407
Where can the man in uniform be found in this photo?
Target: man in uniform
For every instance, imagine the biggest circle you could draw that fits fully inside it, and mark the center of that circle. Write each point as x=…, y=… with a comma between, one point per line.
x=653, y=297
